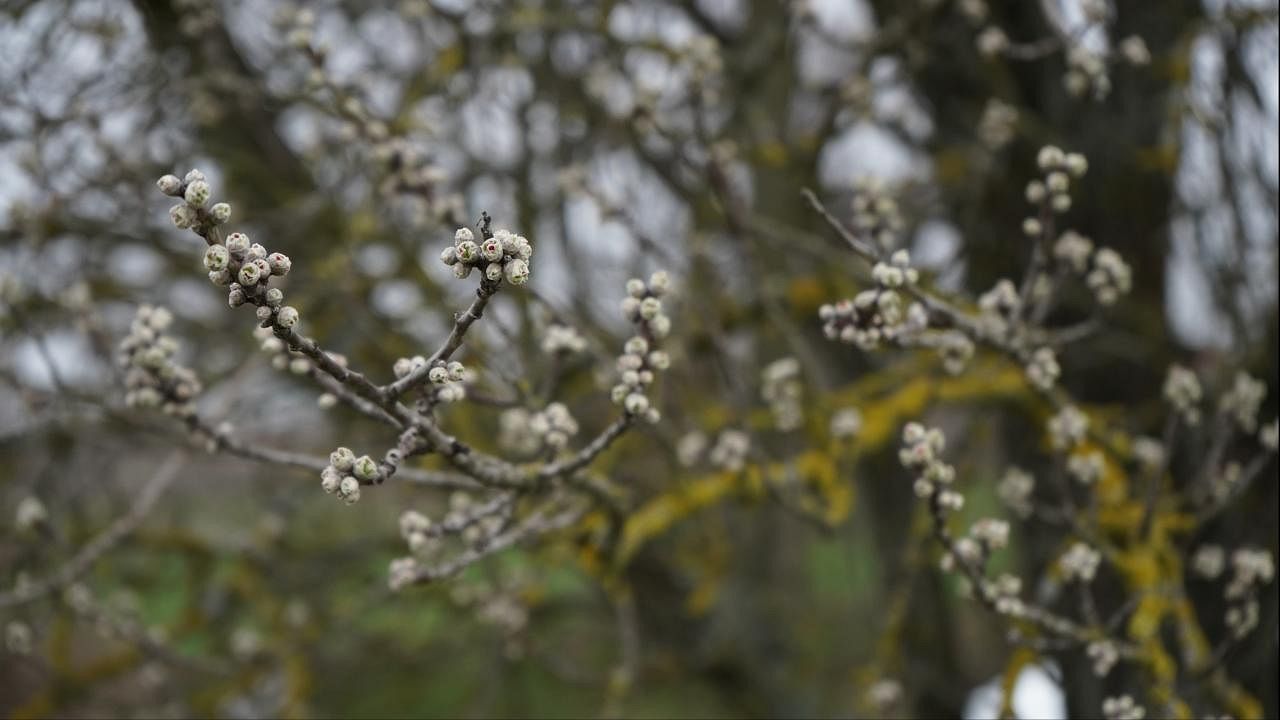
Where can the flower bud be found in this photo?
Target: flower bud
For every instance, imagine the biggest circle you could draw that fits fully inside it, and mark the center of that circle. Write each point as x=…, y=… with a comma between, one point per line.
x=169, y=184
x=365, y=468
x=449, y=256
x=342, y=459
x=249, y=275
x=517, y=271
x=463, y=235
x=468, y=251
x=238, y=244
x=461, y=271
x=197, y=193
x=493, y=272
x=193, y=176
x=279, y=263
x=220, y=212
x=438, y=375
x=491, y=250
x=182, y=216
x=659, y=282
x=221, y=278
x=636, y=288
x=235, y=296
x=456, y=371
x=287, y=317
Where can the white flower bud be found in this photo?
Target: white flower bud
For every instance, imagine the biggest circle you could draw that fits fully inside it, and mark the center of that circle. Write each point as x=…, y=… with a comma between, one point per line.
x=1050, y=158
x=342, y=459
x=438, y=375
x=235, y=296
x=636, y=403
x=193, y=176
x=287, y=317
x=456, y=371
x=1076, y=164
x=491, y=250
x=182, y=216
x=402, y=367
x=169, y=184
x=517, y=271
x=279, y=263
x=249, y=274
x=659, y=283
x=220, y=212
x=329, y=479
x=636, y=288
x=462, y=271
x=238, y=244
x=216, y=257
x=365, y=468
x=468, y=251
x=274, y=297
x=463, y=235
x=493, y=272
x=650, y=307
x=197, y=193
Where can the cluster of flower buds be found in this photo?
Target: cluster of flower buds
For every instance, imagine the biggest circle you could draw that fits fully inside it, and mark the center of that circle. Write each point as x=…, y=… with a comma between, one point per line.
x=1086, y=467
x=474, y=523
x=194, y=211
x=562, y=340
x=1042, y=369
x=1079, y=563
x=1058, y=169
x=448, y=379
x=152, y=377
x=730, y=451
x=499, y=255
x=875, y=213
x=1015, y=490
x=1242, y=401
x=998, y=308
x=973, y=550
x=1067, y=428
x=641, y=359
x=282, y=358
x=998, y=124
x=921, y=454
x=1269, y=436
x=1251, y=569
x=527, y=433
x=346, y=473
x=1104, y=655
x=1225, y=481
x=781, y=389
x=1183, y=391
x=876, y=316
x=1110, y=277
x=1122, y=707
x=244, y=267
x=1086, y=73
